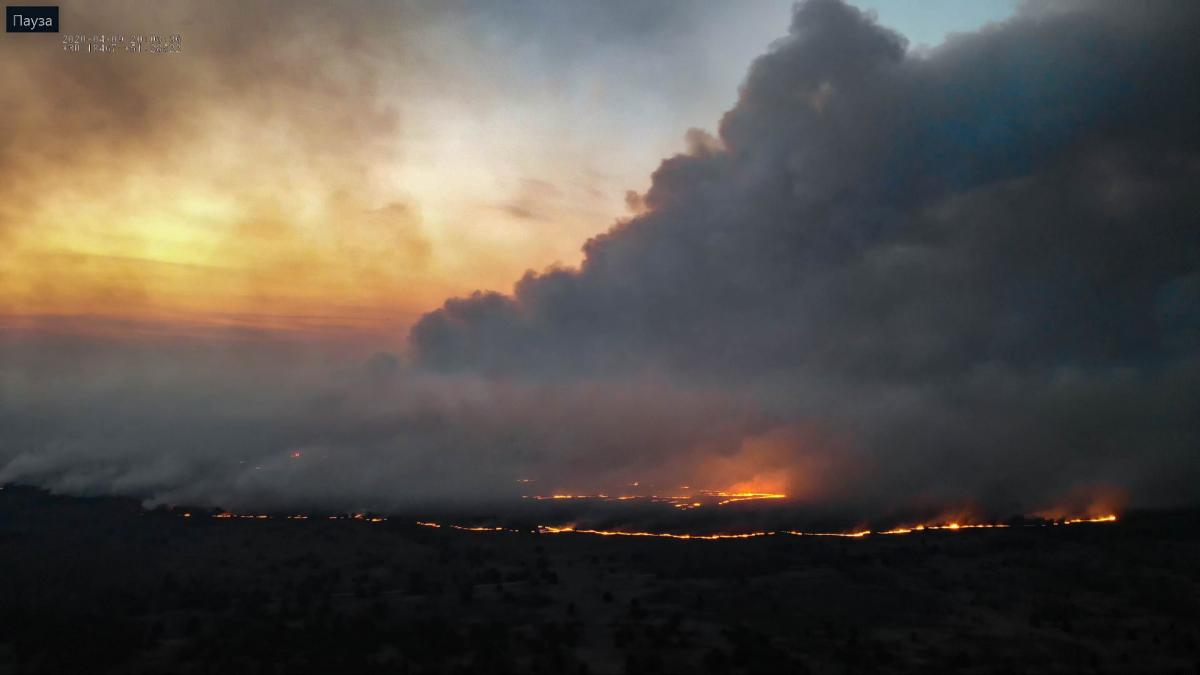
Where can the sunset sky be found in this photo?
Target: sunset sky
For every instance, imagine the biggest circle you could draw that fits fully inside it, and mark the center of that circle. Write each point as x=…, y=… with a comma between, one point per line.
x=312, y=169
x=378, y=254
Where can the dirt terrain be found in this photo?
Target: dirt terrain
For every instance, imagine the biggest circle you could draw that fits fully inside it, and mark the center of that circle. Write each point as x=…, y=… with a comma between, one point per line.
x=103, y=585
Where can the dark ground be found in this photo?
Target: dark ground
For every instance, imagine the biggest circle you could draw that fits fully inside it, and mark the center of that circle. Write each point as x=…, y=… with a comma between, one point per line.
x=92, y=585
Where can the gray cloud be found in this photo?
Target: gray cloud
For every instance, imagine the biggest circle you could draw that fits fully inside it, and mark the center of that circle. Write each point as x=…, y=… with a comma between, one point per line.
x=961, y=258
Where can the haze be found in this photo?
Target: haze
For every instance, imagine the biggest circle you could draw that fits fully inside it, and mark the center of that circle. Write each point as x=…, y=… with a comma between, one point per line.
x=383, y=255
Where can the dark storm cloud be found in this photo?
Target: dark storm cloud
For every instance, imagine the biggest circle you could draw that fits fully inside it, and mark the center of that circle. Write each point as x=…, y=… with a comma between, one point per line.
x=980, y=262
x=888, y=280
x=973, y=205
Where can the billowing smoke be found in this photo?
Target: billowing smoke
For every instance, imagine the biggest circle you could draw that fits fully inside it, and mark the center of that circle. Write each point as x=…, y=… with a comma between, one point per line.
x=970, y=275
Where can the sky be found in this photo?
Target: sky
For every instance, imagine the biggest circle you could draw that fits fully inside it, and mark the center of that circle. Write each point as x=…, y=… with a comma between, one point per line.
x=315, y=171
x=393, y=253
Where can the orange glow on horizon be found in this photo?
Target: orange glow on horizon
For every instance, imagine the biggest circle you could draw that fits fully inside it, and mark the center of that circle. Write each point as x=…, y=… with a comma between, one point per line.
x=692, y=500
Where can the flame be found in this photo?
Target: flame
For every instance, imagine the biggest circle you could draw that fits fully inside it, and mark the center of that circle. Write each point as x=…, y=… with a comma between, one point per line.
x=1110, y=518
x=243, y=516
x=952, y=526
x=687, y=501
x=731, y=497
x=945, y=526
x=852, y=535
x=1086, y=503
x=548, y=529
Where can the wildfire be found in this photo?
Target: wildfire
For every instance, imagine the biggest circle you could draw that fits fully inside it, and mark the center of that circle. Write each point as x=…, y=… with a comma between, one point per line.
x=563, y=496
x=952, y=526
x=1110, y=518
x=946, y=526
x=547, y=529
x=731, y=497
x=851, y=535
x=684, y=502
x=1100, y=519
x=226, y=515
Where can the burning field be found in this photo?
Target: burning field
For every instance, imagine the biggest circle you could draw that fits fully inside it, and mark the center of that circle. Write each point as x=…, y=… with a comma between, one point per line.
x=637, y=510
x=102, y=585
x=687, y=513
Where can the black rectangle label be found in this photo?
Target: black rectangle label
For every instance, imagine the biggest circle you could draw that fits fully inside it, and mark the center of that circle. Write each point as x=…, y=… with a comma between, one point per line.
x=31, y=19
